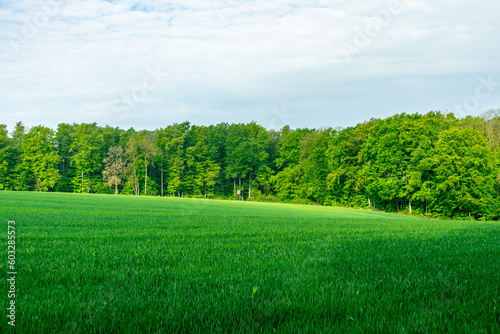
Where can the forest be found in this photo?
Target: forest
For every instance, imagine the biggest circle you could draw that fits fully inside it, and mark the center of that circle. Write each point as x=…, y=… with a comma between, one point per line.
x=432, y=165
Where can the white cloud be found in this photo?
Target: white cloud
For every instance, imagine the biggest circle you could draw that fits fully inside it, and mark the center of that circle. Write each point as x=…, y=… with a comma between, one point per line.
x=235, y=60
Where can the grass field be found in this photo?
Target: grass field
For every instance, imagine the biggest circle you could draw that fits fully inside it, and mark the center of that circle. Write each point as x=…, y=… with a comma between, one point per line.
x=97, y=263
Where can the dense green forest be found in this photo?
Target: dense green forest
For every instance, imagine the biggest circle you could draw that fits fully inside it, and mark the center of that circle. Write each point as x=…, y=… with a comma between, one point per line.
x=435, y=165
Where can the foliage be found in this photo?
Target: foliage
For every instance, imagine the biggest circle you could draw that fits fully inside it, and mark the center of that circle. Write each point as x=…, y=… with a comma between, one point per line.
x=115, y=165
x=430, y=165
x=5, y=146
x=87, y=156
x=40, y=158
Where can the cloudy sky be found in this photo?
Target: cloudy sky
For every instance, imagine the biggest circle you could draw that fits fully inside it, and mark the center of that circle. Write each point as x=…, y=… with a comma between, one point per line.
x=314, y=63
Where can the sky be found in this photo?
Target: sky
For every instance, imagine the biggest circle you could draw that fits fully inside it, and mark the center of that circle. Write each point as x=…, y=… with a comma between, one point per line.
x=314, y=63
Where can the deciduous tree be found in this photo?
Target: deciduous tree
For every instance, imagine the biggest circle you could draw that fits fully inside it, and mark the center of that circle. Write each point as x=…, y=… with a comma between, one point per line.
x=39, y=156
x=115, y=165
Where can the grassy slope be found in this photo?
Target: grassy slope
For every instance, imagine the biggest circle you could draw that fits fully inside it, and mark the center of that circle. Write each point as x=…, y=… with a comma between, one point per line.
x=128, y=264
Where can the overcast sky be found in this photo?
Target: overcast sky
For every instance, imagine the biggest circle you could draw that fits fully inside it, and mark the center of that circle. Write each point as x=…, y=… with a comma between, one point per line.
x=307, y=63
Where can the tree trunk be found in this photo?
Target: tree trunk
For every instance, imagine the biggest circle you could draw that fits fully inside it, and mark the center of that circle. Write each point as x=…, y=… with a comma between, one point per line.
x=410, y=207
x=162, y=176
x=116, y=188
x=369, y=202
x=136, y=184
x=250, y=186
x=146, y=177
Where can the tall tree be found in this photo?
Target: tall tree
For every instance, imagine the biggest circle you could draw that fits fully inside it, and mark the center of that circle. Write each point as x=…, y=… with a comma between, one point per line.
x=115, y=165
x=64, y=140
x=5, y=153
x=313, y=147
x=175, y=154
x=132, y=152
x=492, y=130
x=491, y=126
x=203, y=171
x=160, y=146
x=20, y=177
x=147, y=144
x=39, y=155
x=290, y=176
x=234, y=168
x=463, y=168
x=87, y=157
x=256, y=154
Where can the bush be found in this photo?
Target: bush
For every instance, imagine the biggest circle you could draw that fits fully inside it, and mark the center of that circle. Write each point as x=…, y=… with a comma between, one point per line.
x=102, y=188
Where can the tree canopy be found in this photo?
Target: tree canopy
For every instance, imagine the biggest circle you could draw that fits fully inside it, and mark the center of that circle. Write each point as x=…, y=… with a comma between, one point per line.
x=434, y=164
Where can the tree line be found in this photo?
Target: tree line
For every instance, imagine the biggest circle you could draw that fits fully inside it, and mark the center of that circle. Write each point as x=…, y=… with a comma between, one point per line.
x=435, y=164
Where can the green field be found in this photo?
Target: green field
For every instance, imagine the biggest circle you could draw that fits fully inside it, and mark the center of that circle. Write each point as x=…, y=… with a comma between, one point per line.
x=123, y=264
